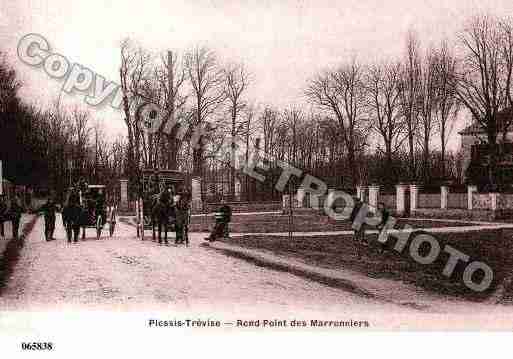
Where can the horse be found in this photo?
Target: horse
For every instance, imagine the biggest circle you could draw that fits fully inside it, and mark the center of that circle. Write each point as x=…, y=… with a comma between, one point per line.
x=162, y=214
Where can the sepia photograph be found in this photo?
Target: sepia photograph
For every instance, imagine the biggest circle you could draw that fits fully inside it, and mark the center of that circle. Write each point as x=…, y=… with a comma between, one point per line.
x=326, y=169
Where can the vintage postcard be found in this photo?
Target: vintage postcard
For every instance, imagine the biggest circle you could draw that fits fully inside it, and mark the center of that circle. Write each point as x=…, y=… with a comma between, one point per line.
x=195, y=169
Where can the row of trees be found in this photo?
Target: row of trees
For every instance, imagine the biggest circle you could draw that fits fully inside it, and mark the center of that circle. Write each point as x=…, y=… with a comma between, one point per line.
x=399, y=104
x=52, y=148
x=399, y=107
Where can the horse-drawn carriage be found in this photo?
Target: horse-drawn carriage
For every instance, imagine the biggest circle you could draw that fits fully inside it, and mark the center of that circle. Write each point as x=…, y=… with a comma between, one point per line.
x=150, y=210
x=95, y=212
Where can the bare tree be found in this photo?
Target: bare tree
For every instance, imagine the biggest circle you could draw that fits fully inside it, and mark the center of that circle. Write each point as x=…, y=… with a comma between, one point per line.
x=171, y=77
x=236, y=81
x=410, y=87
x=383, y=85
x=342, y=94
x=427, y=104
x=206, y=81
x=447, y=105
x=133, y=73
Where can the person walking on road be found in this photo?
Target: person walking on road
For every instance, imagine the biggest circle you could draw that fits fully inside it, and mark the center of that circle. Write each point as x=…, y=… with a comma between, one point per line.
x=49, y=209
x=71, y=216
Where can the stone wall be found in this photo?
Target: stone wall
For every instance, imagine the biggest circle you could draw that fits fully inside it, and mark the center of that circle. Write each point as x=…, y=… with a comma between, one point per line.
x=429, y=200
x=246, y=206
x=455, y=213
x=457, y=200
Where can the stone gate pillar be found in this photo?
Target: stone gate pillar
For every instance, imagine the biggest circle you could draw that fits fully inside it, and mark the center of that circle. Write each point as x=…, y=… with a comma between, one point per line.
x=301, y=198
x=444, y=196
x=196, y=202
x=470, y=191
x=124, y=193
x=414, y=196
x=373, y=198
x=360, y=192
x=400, y=198
x=238, y=189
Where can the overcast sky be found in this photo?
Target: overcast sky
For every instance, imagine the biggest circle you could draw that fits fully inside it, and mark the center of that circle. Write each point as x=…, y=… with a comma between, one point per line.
x=283, y=43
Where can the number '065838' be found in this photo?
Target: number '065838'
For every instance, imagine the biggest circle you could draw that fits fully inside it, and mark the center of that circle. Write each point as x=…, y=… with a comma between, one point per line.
x=37, y=346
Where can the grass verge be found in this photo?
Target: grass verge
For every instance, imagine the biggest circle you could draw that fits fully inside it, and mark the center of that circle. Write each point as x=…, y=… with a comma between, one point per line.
x=492, y=247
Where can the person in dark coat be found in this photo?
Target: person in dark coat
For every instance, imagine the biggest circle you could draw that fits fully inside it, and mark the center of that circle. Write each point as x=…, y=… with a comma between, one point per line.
x=359, y=232
x=15, y=212
x=72, y=215
x=223, y=218
x=182, y=220
x=100, y=206
x=3, y=214
x=384, y=217
x=49, y=209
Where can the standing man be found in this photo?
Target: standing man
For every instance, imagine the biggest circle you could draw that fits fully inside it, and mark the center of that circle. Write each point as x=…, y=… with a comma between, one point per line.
x=71, y=216
x=3, y=214
x=49, y=210
x=182, y=220
x=382, y=226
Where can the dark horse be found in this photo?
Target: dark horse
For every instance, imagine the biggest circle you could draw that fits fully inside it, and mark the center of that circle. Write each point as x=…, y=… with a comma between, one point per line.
x=162, y=216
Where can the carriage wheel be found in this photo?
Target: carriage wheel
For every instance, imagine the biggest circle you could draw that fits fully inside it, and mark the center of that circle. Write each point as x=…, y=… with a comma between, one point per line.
x=112, y=226
x=98, y=227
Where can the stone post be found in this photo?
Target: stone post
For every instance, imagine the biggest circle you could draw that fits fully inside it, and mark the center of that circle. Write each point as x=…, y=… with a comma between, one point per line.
x=444, y=194
x=124, y=193
x=285, y=201
x=414, y=196
x=196, y=202
x=359, y=192
x=301, y=198
x=238, y=188
x=494, y=201
x=470, y=191
x=400, y=197
x=373, y=198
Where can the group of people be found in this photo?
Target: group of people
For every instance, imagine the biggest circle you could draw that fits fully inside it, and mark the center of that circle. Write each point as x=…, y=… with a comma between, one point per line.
x=170, y=208
x=10, y=212
x=177, y=207
x=72, y=214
